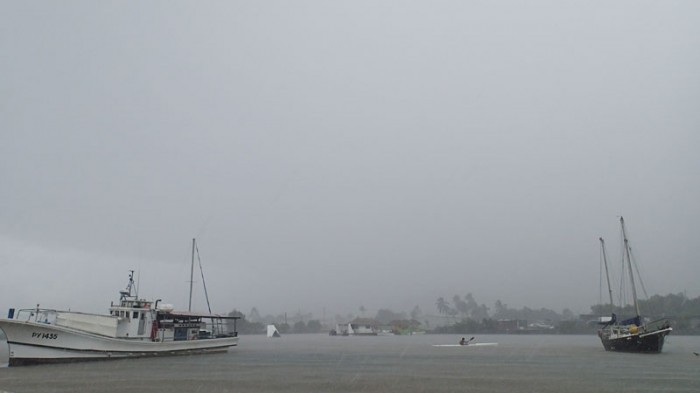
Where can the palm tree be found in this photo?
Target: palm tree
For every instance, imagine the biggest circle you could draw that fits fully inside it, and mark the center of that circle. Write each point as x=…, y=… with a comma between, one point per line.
x=442, y=305
x=461, y=306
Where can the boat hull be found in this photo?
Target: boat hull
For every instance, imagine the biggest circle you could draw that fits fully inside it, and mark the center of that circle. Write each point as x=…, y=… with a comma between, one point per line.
x=652, y=342
x=31, y=342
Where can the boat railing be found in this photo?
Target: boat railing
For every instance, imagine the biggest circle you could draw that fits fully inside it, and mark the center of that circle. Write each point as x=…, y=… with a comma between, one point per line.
x=38, y=315
x=619, y=330
x=625, y=330
x=217, y=328
x=655, y=325
x=612, y=331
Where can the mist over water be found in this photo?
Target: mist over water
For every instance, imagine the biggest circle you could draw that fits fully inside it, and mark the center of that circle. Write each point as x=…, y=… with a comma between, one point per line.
x=319, y=363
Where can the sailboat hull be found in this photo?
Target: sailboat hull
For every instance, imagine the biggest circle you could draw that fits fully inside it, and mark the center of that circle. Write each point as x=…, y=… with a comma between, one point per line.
x=652, y=342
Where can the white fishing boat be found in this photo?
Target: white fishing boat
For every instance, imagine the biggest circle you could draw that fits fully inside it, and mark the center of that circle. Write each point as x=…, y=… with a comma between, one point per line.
x=133, y=328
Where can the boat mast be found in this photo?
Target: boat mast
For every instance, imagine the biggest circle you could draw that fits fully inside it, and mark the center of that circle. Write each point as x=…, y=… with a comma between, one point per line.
x=127, y=292
x=629, y=265
x=189, y=308
x=607, y=275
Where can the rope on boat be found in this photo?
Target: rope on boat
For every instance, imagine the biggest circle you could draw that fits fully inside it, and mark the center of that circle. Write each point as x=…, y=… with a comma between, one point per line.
x=206, y=294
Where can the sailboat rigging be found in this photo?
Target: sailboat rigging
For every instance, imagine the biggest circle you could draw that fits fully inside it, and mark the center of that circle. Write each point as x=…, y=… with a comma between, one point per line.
x=195, y=250
x=632, y=334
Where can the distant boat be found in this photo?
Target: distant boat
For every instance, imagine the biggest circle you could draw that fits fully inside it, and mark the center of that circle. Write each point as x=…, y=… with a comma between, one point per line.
x=272, y=331
x=133, y=328
x=467, y=343
x=358, y=327
x=632, y=334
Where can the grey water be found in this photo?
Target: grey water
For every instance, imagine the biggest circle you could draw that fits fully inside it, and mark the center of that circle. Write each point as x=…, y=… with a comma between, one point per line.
x=320, y=363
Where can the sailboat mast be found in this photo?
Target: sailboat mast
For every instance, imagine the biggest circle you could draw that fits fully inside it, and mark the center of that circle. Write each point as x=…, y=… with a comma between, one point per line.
x=607, y=275
x=629, y=265
x=189, y=308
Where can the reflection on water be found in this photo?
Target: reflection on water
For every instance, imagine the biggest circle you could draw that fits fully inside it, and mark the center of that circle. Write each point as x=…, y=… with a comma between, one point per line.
x=320, y=363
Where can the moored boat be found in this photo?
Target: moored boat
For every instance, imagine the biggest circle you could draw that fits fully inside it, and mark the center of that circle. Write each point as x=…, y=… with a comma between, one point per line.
x=632, y=334
x=133, y=328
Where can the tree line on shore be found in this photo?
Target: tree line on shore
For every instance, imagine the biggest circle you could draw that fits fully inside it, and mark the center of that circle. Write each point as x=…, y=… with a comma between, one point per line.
x=465, y=315
x=254, y=323
x=469, y=316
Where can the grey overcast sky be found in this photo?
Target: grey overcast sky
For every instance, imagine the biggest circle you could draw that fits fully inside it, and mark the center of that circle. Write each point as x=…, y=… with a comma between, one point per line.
x=338, y=154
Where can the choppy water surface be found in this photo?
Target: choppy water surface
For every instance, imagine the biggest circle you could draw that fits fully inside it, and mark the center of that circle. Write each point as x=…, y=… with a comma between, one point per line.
x=319, y=363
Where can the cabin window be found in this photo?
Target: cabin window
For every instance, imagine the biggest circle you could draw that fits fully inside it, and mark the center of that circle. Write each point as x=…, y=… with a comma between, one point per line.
x=136, y=315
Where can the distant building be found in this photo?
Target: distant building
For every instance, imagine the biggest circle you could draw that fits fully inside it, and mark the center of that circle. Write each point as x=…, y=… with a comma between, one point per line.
x=357, y=327
x=511, y=325
x=406, y=326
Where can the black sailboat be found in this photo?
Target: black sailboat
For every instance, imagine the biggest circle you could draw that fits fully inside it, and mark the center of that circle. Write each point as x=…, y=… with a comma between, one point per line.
x=632, y=334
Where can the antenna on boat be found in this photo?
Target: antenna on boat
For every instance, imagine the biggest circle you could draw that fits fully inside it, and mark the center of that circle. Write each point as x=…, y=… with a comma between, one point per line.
x=127, y=292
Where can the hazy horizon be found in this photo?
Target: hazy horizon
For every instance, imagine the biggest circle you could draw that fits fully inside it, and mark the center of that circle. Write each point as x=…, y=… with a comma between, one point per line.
x=332, y=155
